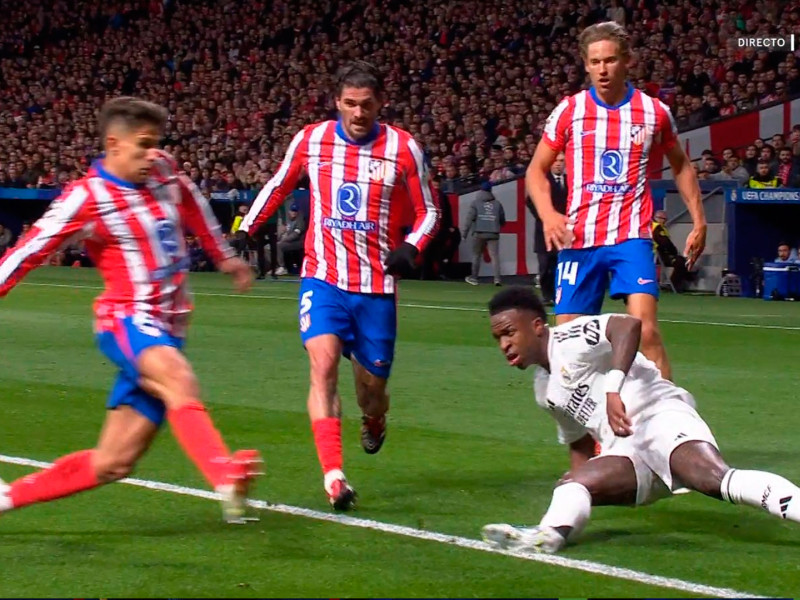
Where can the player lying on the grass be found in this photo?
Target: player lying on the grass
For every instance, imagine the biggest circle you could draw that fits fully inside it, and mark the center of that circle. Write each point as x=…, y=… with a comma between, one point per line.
x=593, y=382
x=131, y=208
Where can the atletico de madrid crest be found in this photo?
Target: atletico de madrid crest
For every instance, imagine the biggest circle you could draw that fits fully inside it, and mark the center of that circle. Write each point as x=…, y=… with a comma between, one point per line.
x=377, y=169
x=638, y=134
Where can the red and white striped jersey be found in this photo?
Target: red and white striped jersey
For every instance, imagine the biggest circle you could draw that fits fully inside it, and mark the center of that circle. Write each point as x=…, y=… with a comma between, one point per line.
x=362, y=194
x=135, y=235
x=608, y=151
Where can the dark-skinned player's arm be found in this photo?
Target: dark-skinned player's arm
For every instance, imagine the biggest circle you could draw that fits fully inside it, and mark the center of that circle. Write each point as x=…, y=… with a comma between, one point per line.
x=624, y=334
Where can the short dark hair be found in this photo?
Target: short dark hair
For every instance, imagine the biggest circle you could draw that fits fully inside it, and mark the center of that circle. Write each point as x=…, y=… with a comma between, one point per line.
x=519, y=297
x=132, y=113
x=359, y=74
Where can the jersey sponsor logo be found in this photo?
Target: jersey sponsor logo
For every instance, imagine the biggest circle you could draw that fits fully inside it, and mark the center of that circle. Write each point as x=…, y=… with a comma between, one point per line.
x=611, y=168
x=611, y=165
x=168, y=237
x=348, y=199
x=591, y=332
x=182, y=265
x=580, y=405
x=348, y=225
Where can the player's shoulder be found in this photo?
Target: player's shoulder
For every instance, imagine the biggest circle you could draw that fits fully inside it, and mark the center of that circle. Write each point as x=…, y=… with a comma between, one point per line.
x=318, y=127
x=165, y=162
x=647, y=100
x=589, y=328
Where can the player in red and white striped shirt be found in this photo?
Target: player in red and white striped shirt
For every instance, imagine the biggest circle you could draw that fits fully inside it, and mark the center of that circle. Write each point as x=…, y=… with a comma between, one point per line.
x=131, y=208
x=367, y=182
x=607, y=134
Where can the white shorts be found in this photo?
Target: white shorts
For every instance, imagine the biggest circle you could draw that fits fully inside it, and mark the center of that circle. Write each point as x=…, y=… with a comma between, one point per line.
x=652, y=443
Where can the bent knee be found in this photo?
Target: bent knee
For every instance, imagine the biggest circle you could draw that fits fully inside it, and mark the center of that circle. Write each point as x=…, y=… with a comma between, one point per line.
x=651, y=334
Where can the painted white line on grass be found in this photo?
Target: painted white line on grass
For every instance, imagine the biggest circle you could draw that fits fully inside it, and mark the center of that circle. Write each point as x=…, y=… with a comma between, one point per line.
x=433, y=536
x=425, y=306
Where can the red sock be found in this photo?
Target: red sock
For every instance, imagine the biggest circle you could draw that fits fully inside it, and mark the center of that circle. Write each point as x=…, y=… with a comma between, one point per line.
x=201, y=441
x=328, y=439
x=68, y=475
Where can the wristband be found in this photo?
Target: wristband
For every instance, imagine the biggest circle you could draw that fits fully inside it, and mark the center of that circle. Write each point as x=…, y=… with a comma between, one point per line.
x=614, y=379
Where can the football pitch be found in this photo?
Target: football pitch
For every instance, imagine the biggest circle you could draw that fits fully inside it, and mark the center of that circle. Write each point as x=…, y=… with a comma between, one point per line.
x=466, y=446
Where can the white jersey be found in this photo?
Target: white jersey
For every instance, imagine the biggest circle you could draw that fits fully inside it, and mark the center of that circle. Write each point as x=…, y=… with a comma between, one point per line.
x=573, y=392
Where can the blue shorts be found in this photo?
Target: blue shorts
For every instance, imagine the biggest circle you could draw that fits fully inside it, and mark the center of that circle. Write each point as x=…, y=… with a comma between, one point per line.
x=582, y=276
x=366, y=323
x=122, y=345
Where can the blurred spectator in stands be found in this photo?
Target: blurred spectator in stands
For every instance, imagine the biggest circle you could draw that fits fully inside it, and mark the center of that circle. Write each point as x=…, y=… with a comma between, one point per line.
x=727, y=108
x=6, y=239
x=786, y=254
x=750, y=161
x=788, y=168
x=763, y=177
x=292, y=239
x=460, y=73
x=764, y=96
x=767, y=153
x=732, y=170
x=198, y=260
x=710, y=166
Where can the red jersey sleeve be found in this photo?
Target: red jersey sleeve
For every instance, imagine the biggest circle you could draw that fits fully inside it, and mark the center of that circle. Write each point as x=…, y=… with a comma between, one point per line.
x=666, y=130
x=556, y=126
x=274, y=193
x=68, y=218
x=423, y=200
x=200, y=220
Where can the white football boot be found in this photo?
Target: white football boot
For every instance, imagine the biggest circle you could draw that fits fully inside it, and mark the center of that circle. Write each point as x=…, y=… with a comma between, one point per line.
x=528, y=539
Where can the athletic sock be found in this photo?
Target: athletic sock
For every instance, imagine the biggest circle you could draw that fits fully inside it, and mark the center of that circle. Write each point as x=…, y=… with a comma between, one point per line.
x=328, y=440
x=202, y=443
x=69, y=475
x=773, y=493
x=569, y=509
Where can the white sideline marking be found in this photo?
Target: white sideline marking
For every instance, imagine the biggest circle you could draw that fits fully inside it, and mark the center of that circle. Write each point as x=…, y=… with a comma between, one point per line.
x=433, y=536
x=427, y=306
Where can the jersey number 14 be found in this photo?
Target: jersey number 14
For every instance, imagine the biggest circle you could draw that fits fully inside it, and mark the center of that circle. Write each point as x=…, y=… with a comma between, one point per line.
x=567, y=271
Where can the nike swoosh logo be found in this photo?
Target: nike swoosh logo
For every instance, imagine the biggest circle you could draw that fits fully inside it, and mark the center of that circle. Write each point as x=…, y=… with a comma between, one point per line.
x=641, y=281
x=583, y=133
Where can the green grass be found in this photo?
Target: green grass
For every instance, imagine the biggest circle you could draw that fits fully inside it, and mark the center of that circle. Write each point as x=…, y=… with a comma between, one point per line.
x=466, y=446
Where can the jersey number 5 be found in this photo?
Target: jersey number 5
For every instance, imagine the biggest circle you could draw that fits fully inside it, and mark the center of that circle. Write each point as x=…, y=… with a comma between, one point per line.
x=305, y=302
x=567, y=271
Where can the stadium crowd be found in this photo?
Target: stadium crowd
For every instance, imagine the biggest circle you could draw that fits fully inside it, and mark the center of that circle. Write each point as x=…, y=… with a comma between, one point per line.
x=473, y=81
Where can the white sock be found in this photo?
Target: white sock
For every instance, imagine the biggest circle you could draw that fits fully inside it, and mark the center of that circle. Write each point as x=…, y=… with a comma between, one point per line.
x=773, y=493
x=332, y=476
x=5, y=499
x=571, y=506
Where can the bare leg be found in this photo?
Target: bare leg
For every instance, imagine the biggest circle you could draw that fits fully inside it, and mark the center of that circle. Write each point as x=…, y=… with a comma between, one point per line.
x=645, y=308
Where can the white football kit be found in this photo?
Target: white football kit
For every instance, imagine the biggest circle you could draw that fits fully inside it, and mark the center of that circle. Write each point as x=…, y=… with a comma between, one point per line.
x=662, y=415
